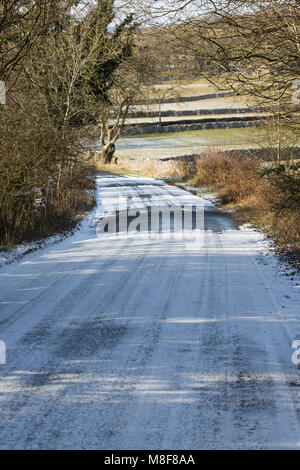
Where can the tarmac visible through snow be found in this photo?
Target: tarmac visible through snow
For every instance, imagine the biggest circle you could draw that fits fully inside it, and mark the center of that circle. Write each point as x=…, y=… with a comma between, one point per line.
x=116, y=342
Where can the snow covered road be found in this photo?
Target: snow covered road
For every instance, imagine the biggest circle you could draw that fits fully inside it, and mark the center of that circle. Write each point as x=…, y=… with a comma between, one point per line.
x=149, y=344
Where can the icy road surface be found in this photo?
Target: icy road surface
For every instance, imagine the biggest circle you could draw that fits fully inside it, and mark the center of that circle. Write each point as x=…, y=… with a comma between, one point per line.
x=149, y=344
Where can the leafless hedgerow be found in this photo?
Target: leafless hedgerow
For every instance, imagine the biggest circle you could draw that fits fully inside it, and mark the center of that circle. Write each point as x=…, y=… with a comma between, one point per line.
x=43, y=163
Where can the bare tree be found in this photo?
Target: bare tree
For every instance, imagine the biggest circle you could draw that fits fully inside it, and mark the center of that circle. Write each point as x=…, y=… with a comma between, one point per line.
x=111, y=92
x=22, y=22
x=128, y=85
x=254, y=46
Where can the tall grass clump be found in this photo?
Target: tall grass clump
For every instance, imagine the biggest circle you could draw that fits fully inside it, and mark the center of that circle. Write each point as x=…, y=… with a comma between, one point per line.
x=234, y=176
x=282, y=195
x=268, y=196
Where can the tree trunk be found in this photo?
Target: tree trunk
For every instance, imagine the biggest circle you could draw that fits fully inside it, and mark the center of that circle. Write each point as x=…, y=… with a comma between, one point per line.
x=107, y=153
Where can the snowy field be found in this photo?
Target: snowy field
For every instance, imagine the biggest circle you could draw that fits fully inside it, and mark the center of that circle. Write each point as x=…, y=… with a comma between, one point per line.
x=150, y=344
x=228, y=102
x=174, y=144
